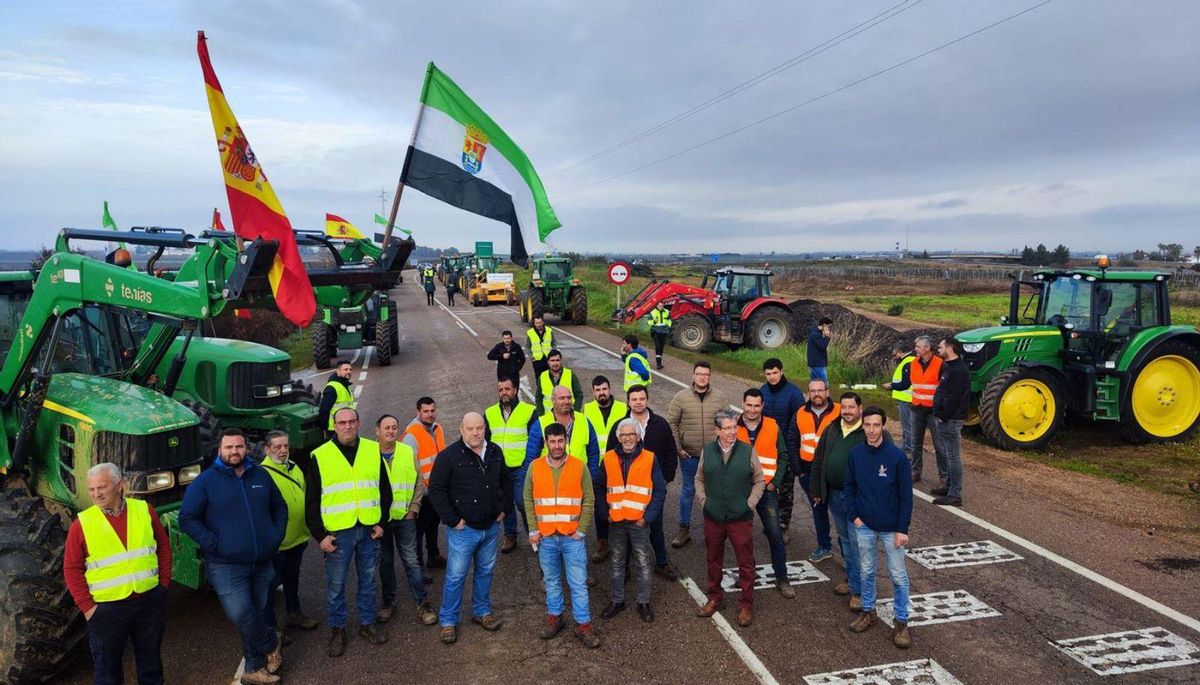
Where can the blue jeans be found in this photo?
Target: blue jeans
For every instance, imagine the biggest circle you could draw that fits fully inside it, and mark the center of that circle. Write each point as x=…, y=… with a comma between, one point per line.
x=517, y=504
x=905, y=411
x=768, y=513
x=820, y=512
x=400, y=536
x=949, y=437
x=353, y=544
x=466, y=547
x=867, y=544
x=847, y=540
x=556, y=552
x=816, y=373
x=244, y=590
x=687, y=489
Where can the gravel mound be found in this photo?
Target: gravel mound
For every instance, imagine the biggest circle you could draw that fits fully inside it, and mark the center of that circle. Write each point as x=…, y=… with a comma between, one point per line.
x=863, y=339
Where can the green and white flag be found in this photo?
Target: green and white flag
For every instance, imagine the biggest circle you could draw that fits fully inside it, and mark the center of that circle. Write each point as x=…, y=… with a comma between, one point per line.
x=383, y=222
x=460, y=156
x=106, y=221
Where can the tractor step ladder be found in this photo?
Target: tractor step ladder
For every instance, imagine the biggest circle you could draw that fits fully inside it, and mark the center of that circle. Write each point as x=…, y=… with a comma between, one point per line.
x=1107, y=398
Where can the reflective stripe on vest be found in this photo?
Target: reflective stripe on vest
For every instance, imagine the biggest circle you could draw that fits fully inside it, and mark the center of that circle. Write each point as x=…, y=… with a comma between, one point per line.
x=114, y=571
x=810, y=433
x=402, y=476
x=632, y=377
x=548, y=388
x=342, y=398
x=557, y=506
x=897, y=376
x=349, y=493
x=513, y=434
x=924, y=381
x=577, y=440
x=627, y=501
x=601, y=427
x=662, y=318
x=428, y=446
x=766, y=445
x=540, y=347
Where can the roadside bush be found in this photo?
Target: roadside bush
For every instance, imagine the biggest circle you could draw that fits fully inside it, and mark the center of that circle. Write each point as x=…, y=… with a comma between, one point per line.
x=895, y=310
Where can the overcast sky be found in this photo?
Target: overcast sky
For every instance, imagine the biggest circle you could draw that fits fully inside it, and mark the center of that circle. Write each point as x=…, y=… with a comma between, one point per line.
x=1076, y=123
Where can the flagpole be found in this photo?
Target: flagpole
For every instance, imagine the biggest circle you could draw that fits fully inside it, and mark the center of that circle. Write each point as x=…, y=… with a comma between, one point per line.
x=412, y=142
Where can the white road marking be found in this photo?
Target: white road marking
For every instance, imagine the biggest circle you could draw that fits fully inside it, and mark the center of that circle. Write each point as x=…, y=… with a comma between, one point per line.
x=525, y=389
x=357, y=354
x=461, y=323
x=1130, y=651
x=920, y=671
x=937, y=607
x=798, y=573
x=362, y=376
x=367, y=359
x=241, y=669
x=1091, y=575
x=357, y=391
x=739, y=645
x=962, y=554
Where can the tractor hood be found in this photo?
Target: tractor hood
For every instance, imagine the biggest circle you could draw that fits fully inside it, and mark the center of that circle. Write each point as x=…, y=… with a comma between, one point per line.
x=109, y=404
x=226, y=351
x=978, y=335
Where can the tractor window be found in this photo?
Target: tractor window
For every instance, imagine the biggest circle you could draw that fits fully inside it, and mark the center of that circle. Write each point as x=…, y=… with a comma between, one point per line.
x=1121, y=316
x=1068, y=300
x=12, y=308
x=554, y=271
x=1148, y=304
x=745, y=287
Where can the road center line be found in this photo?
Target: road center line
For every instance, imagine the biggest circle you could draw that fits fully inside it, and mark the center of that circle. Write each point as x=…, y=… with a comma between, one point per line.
x=461, y=323
x=366, y=361
x=731, y=636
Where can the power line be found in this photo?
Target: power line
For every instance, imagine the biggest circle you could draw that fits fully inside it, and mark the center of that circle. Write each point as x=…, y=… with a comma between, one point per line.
x=810, y=101
x=828, y=44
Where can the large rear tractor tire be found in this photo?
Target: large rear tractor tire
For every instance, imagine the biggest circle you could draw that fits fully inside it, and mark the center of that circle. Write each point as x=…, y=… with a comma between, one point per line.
x=524, y=307
x=210, y=430
x=41, y=631
x=769, y=328
x=579, y=305
x=1163, y=404
x=395, y=340
x=1022, y=408
x=537, y=303
x=321, y=344
x=384, y=330
x=692, y=332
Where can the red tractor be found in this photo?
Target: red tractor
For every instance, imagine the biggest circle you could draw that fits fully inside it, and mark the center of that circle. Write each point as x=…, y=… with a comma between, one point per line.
x=732, y=306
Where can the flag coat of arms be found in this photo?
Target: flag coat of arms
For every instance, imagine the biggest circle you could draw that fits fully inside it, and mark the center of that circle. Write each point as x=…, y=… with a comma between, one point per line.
x=253, y=205
x=460, y=156
x=337, y=227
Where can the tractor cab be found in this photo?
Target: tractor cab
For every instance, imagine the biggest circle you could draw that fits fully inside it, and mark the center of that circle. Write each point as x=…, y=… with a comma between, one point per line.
x=553, y=271
x=738, y=287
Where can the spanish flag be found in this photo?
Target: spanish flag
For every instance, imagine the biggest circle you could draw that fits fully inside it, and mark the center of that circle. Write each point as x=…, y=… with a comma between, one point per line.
x=253, y=207
x=337, y=227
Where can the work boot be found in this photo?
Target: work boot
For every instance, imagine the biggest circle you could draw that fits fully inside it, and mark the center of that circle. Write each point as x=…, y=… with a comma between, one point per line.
x=645, y=612
x=259, y=677
x=948, y=501
x=488, y=622
x=299, y=620
x=612, y=610
x=426, y=614
x=712, y=607
x=900, y=635
x=865, y=620
x=583, y=631
x=509, y=544
x=602, y=551
x=855, y=603
x=448, y=635
x=275, y=656
x=658, y=363
x=785, y=588
x=667, y=572
x=373, y=633
x=745, y=617
x=841, y=589
x=337, y=642
x=938, y=491
x=591, y=582
x=553, y=625
x=683, y=537
x=386, y=612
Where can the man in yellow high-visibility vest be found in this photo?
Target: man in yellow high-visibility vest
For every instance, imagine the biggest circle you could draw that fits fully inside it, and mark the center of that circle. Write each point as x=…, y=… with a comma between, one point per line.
x=337, y=393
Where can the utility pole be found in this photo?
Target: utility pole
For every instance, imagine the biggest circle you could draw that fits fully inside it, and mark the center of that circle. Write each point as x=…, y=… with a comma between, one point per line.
x=383, y=196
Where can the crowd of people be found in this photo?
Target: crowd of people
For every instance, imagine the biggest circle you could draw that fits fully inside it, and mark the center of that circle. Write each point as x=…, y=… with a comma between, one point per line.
x=560, y=467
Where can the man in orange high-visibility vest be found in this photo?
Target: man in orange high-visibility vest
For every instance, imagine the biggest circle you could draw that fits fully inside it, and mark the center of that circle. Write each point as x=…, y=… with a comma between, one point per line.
x=763, y=434
x=808, y=424
x=425, y=436
x=923, y=374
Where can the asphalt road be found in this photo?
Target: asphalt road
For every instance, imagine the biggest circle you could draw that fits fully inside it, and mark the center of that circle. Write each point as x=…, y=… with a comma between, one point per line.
x=1063, y=575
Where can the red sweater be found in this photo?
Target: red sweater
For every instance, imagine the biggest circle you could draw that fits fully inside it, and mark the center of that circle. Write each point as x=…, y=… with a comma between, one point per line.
x=75, y=556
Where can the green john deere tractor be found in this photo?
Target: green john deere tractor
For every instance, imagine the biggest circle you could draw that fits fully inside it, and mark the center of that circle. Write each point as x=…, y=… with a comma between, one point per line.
x=1095, y=344
x=66, y=405
x=554, y=289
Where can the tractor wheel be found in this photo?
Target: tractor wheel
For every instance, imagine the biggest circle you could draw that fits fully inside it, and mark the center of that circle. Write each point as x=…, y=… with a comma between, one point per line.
x=769, y=328
x=579, y=307
x=692, y=332
x=537, y=303
x=523, y=307
x=1021, y=408
x=210, y=429
x=395, y=341
x=1163, y=404
x=40, y=628
x=384, y=330
x=321, y=343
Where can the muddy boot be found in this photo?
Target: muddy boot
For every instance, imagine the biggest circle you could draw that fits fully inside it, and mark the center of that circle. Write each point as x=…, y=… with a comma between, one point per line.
x=865, y=620
x=683, y=537
x=601, y=553
x=509, y=544
x=900, y=635
x=552, y=627
x=337, y=642
x=585, y=634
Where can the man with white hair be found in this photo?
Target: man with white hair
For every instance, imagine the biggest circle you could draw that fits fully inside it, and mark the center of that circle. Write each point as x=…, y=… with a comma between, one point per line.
x=117, y=565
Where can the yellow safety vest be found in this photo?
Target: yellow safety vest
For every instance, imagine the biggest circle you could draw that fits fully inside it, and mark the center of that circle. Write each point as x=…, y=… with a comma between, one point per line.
x=632, y=377
x=601, y=427
x=402, y=476
x=114, y=571
x=349, y=494
x=342, y=398
x=540, y=348
x=660, y=319
x=513, y=434
x=291, y=487
x=578, y=440
x=548, y=388
x=898, y=375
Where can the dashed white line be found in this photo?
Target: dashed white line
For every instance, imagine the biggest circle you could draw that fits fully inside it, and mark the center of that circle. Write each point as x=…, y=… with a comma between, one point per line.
x=739, y=645
x=367, y=359
x=362, y=376
x=357, y=391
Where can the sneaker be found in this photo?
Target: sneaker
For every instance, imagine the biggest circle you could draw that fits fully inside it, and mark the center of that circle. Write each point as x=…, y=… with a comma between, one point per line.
x=584, y=632
x=785, y=588
x=299, y=620
x=900, y=635
x=337, y=642
x=509, y=544
x=683, y=537
x=938, y=491
x=553, y=625
x=601, y=553
x=373, y=633
x=855, y=603
x=386, y=612
x=841, y=589
x=426, y=614
x=259, y=677
x=448, y=635
x=948, y=501
x=865, y=620
x=667, y=572
x=275, y=657
x=820, y=554
x=488, y=622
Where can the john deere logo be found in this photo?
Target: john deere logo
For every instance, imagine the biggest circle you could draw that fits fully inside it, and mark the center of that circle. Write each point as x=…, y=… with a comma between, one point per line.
x=172, y=442
x=109, y=287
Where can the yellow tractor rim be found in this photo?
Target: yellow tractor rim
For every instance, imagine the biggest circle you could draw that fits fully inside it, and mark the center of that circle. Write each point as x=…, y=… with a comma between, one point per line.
x=1027, y=410
x=1166, y=396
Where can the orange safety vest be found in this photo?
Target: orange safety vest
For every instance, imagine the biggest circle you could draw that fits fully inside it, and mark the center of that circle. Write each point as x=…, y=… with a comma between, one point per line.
x=810, y=433
x=557, y=507
x=766, y=445
x=428, y=447
x=628, y=501
x=924, y=381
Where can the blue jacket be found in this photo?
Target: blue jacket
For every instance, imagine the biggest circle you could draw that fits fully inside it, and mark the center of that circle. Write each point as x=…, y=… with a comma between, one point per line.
x=878, y=487
x=781, y=402
x=636, y=365
x=234, y=520
x=658, y=489
x=818, y=345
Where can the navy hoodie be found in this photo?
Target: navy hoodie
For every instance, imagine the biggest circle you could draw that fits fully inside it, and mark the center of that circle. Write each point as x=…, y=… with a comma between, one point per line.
x=234, y=520
x=781, y=402
x=878, y=488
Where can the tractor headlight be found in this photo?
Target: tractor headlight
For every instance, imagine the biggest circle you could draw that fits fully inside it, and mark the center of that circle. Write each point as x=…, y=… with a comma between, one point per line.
x=261, y=391
x=144, y=483
x=972, y=348
x=285, y=389
x=188, y=474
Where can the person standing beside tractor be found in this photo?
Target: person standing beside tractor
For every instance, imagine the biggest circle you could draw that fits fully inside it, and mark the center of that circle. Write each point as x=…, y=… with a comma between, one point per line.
x=818, y=349
x=541, y=341
x=950, y=404
x=923, y=372
x=452, y=285
x=337, y=393
x=427, y=276
x=660, y=329
x=289, y=478
x=901, y=387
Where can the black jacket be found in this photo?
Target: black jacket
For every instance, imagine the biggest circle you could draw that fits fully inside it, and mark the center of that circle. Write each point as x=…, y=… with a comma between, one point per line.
x=953, y=395
x=511, y=367
x=464, y=488
x=328, y=399
x=312, y=491
x=658, y=439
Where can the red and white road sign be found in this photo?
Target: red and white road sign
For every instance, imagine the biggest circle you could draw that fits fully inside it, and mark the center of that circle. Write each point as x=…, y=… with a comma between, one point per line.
x=618, y=273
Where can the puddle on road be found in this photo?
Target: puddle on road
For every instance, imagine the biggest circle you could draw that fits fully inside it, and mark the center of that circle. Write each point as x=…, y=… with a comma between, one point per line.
x=1172, y=565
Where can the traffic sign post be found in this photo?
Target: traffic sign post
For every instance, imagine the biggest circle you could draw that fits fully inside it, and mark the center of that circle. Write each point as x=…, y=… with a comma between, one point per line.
x=618, y=275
